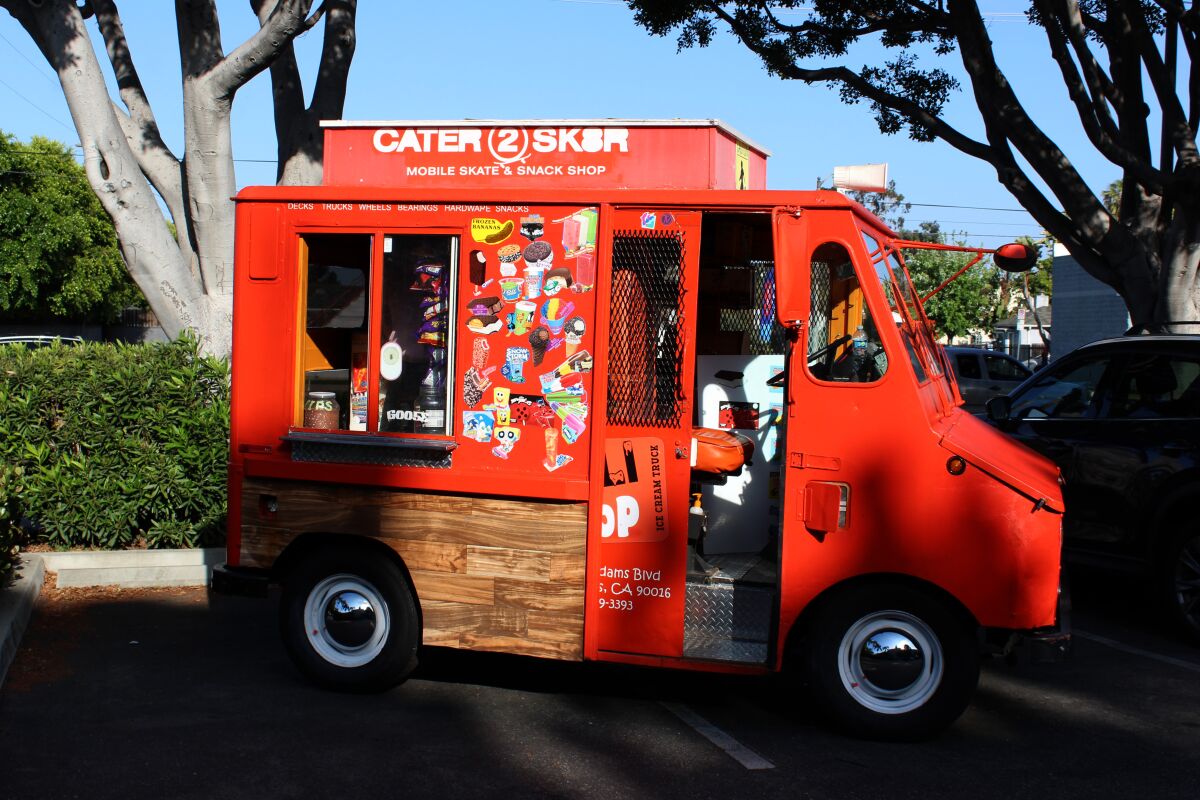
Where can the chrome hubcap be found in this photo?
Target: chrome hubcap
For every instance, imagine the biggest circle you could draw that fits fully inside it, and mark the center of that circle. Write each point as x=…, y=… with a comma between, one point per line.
x=347, y=620
x=890, y=662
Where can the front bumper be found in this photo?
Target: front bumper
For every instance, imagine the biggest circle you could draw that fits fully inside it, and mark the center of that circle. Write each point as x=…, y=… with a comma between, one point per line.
x=1050, y=644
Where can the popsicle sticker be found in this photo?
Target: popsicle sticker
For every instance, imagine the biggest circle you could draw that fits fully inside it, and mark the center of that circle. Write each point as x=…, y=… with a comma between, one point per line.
x=568, y=373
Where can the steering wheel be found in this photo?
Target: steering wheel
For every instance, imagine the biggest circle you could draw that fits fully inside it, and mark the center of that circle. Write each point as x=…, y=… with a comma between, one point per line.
x=827, y=349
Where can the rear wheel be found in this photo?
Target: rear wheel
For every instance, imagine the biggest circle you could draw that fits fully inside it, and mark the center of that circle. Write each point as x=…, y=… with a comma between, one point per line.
x=1182, y=581
x=891, y=662
x=349, y=620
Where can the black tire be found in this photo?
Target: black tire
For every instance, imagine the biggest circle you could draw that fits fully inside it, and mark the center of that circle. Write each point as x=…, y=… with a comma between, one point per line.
x=349, y=620
x=906, y=696
x=1180, y=581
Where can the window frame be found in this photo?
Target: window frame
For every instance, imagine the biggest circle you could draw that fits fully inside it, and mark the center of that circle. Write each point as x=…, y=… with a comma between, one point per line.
x=373, y=321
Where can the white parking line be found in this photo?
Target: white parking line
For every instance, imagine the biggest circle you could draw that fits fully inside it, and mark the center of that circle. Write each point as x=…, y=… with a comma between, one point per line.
x=1137, y=651
x=735, y=749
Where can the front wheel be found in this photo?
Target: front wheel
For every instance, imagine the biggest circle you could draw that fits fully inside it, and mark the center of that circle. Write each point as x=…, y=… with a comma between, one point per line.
x=349, y=621
x=891, y=662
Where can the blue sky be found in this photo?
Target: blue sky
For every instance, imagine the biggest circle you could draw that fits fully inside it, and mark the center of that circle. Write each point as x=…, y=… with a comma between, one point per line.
x=565, y=59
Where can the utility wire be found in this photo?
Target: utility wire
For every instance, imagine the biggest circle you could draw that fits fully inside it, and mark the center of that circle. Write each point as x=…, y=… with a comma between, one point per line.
x=36, y=68
x=35, y=105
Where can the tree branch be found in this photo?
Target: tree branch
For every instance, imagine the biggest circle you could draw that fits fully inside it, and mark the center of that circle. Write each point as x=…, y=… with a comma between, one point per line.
x=938, y=126
x=285, y=22
x=329, y=95
x=156, y=160
x=1090, y=100
x=1174, y=119
x=881, y=23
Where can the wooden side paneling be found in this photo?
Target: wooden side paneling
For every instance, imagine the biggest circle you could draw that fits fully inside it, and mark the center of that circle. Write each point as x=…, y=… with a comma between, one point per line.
x=490, y=574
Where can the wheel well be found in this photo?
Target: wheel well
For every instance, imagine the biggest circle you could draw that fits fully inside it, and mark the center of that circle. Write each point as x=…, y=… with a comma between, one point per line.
x=803, y=622
x=1178, y=505
x=306, y=544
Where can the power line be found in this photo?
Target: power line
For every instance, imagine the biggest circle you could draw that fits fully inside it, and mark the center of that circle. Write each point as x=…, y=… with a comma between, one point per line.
x=36, y=106
x=36, y=68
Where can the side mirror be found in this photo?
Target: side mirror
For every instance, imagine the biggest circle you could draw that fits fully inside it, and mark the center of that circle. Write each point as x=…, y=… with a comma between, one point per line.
x=1015, y=257
x=998, y=408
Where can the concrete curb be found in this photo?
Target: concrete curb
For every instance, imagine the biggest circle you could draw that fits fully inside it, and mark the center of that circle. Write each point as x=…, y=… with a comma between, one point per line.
x=134, y=569
x=128, y=569
x=16, y=606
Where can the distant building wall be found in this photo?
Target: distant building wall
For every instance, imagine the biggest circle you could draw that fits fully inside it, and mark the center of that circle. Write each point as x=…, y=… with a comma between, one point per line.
x=1084, y=308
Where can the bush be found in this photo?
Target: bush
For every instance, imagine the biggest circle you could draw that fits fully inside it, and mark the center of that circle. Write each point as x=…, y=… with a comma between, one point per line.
x=10, y=517
x=120, y=445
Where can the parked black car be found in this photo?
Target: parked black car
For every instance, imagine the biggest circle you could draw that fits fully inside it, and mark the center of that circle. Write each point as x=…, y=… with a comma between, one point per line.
x=1121, y=418
x=984, y=374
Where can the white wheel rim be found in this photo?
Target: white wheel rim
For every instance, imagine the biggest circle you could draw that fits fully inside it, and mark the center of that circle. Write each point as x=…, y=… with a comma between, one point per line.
x=896, y=641
x=345, y=600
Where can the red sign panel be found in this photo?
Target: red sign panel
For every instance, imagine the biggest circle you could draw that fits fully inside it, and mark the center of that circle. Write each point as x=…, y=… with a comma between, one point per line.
x=640, y=569
x=545, y=154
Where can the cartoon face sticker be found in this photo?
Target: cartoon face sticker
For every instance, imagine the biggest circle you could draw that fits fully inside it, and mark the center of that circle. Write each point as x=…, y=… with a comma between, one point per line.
x=506, y=437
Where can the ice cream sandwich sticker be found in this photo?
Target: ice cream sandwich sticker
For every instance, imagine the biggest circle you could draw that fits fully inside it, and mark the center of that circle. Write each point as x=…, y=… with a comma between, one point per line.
x=533, y=227
x=491, y=231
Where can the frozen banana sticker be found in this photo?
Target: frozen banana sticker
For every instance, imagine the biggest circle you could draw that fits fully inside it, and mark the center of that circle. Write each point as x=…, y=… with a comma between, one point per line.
x=491, y=231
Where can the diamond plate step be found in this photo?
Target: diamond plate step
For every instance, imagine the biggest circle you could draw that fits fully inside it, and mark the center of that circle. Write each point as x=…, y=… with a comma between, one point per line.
x=727, y=622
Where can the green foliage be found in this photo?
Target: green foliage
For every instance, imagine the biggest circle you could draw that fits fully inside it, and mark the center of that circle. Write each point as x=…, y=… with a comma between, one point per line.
x=10, y=517
x=121, y=445
x=968, y=304
x=58, y=249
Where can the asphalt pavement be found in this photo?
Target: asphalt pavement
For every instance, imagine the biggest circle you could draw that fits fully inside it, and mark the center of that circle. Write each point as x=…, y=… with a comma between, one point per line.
x=176, y=693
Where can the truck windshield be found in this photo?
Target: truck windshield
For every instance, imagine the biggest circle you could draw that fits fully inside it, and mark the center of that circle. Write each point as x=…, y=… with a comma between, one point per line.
x=905, y=307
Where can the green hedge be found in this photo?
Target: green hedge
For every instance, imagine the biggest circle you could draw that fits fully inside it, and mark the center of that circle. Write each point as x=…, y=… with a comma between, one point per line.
x=116, y=445
x=10, y=515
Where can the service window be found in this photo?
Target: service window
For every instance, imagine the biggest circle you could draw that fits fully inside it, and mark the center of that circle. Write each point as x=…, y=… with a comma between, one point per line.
x=418, y=273
x=407, y=304
x=333, y=351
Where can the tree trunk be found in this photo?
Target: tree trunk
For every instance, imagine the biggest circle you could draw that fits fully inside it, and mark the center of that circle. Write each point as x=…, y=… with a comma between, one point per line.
x=189, y=282
x=150, y=251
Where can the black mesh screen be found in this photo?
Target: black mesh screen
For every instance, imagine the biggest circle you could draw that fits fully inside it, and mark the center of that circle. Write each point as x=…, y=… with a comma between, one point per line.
x=646, y=349
x=764, y=334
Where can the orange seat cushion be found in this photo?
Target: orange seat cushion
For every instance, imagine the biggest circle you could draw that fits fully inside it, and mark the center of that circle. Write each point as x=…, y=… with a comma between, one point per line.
x=720, y=452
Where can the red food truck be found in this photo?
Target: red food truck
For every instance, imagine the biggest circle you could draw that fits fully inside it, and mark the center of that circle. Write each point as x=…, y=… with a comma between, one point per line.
x=585, y=390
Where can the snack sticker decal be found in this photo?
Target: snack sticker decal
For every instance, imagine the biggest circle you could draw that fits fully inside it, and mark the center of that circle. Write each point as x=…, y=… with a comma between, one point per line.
x=490, y=231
